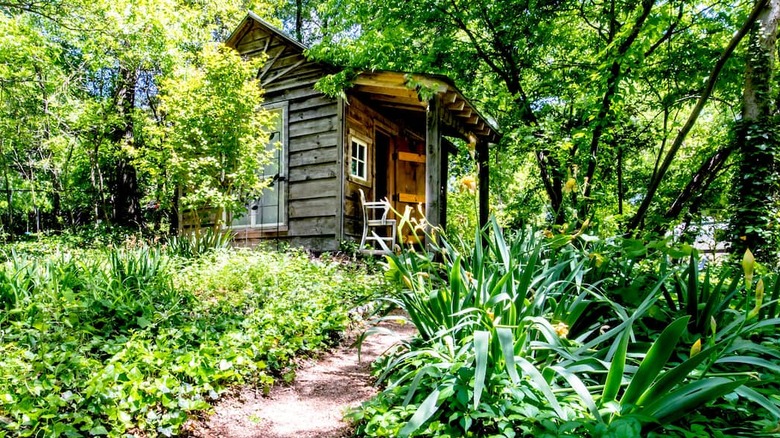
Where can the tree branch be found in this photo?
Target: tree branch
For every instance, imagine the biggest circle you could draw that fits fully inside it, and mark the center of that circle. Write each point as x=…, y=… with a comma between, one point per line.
x=612, y=86
x=668, y=34
x=708, y=171
x=709, y=87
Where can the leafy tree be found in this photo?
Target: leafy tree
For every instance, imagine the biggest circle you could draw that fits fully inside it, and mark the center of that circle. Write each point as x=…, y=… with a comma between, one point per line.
x=756, y=182
x=596, y=93
x=34, y=122
x=85, y=81
x=212, y=140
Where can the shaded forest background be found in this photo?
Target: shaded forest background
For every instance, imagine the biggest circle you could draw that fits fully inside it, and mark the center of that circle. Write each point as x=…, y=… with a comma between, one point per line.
x=631, y=116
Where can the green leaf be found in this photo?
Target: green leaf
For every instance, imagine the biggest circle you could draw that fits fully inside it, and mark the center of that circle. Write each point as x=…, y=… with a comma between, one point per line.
x=581, y=390
x=422, y=414
x=507, y=341
x=675, y=376
x=654, y=361
x=481, y=343
x=616, y=367
x=98, y=430
x=541, y=385
x=756, y=397
x=419, y=375
x=682, y=401
x=692, y=299
x=750, y=360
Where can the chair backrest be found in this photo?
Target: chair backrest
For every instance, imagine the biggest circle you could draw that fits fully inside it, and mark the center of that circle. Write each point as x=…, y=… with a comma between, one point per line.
x=374, y=210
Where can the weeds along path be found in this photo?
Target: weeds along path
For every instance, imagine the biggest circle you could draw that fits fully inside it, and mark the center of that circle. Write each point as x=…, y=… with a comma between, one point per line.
x=313, y=406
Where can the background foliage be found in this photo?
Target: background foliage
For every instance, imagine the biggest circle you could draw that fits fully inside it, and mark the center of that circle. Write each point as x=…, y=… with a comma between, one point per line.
x=618, y=112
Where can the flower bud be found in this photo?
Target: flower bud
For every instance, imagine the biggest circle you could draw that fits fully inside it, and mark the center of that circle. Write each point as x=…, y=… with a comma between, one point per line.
x=696, y=347
x=748, y=263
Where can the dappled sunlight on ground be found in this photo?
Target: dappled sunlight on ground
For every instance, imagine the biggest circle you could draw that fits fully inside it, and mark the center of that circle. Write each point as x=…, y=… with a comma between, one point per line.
x=313, y=406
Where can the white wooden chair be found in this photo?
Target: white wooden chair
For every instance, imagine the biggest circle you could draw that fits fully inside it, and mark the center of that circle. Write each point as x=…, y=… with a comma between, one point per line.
x=375, y=216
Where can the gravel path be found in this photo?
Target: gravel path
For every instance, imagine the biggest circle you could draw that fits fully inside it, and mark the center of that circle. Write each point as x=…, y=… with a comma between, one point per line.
x=313, y=406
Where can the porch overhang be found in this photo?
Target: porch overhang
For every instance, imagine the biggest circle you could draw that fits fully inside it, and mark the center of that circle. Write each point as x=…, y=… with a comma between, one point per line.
x=413, y=92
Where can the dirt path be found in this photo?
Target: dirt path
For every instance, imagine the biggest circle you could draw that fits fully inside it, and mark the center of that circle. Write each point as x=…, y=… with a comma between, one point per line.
x=313, y=406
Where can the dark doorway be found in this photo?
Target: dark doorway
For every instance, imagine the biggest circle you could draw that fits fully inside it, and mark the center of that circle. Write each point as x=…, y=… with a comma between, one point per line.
x=382, y=155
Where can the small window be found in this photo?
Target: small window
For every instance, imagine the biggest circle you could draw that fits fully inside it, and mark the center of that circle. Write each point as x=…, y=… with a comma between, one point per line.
x=358, y=167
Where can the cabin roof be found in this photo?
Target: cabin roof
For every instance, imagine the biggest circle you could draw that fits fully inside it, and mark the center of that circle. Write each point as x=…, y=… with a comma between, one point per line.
x=246, y=24
x=400, y=91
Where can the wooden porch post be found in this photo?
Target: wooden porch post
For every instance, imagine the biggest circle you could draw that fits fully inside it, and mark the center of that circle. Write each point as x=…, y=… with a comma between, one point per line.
x=445, y=169
x=433, y=176
x=484, y=182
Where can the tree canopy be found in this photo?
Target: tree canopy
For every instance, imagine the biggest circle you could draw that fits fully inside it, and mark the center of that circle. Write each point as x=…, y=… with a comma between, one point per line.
x=627, y=108
x=108, y=107
x=631, y=115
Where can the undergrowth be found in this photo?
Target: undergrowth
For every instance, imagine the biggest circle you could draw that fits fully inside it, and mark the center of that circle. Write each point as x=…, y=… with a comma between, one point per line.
x=572, y=335
x=132, y=341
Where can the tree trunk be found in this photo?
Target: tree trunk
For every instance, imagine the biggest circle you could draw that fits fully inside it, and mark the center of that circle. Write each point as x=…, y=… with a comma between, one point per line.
x=299, y=20
x=755, y=184
x=655, y=182
x=126, y=196
x=604, y=121
x=708, y=171
x=620, y=180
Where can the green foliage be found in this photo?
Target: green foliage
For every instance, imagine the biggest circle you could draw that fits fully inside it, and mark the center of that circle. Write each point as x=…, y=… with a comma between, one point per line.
x=755, y=198
x=86, y=131
x=588, y=96
x=196, y=244
x=462, y=209
x=213, y=141
x=133, y=341
x=546, y=336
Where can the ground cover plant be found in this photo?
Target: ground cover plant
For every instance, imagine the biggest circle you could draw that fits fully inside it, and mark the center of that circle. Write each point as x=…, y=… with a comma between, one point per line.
x=572, y=335
x=132, y=340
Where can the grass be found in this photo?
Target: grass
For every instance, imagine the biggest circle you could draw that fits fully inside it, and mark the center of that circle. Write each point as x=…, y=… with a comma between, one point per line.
x=134, y=340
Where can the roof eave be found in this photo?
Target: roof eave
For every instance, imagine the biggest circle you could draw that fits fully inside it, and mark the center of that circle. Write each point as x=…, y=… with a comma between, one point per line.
x=456, y=103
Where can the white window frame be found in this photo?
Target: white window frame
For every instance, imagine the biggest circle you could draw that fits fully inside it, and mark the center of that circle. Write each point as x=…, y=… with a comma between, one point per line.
x=281, y=108
x=353, y=159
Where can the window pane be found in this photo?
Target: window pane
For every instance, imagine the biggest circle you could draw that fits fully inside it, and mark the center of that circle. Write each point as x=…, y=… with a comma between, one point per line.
x=358, y=153
x=267, y=209
x=268, y=206
x=244, y=219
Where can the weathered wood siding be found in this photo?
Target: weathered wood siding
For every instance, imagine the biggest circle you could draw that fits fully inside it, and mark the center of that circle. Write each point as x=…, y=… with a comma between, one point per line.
x=360, y=123
x=313, y=152
x=405, y=173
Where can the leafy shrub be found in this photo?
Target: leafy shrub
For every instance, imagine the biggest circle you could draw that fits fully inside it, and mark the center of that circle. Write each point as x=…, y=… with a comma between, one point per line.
x=522, y=337
x=201, y=242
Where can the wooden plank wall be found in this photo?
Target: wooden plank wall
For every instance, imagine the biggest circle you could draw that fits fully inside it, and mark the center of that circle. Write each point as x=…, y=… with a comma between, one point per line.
x=313, y=136
x=360, y=122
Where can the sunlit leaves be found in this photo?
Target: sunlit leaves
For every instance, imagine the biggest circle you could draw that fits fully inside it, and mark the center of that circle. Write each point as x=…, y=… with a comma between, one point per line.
x=68, y=71
x=214, y=131
x=541, y=68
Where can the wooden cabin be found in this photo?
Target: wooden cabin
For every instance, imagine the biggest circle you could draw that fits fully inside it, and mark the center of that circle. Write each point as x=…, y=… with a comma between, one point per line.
x=382, y=137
